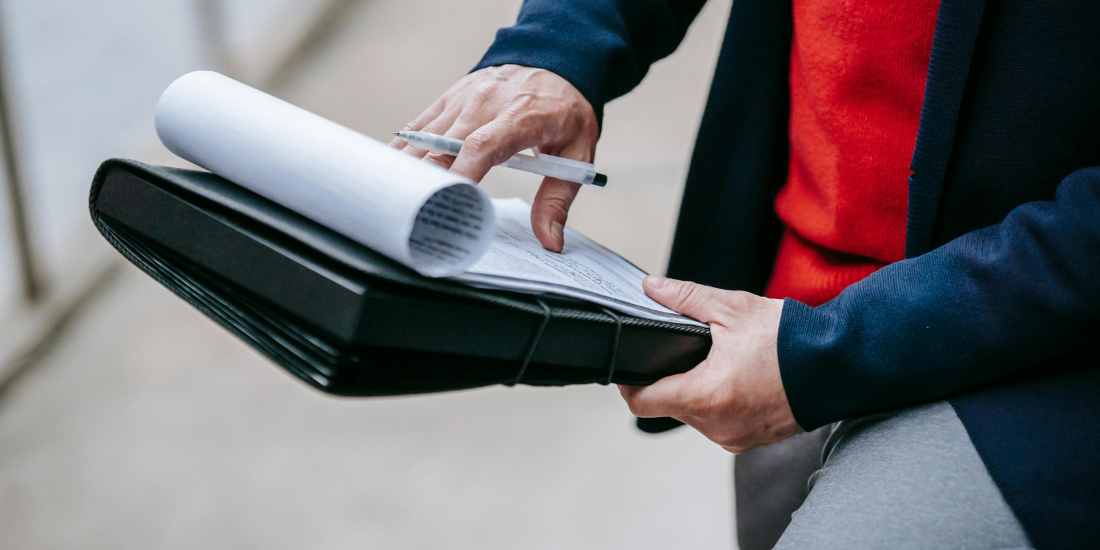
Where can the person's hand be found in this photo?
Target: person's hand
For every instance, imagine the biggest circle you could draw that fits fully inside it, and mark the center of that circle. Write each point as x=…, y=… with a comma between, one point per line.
x=735, y=397
x=500, y=111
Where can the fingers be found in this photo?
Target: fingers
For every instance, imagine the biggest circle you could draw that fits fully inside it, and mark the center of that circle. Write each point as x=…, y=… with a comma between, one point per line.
x=466, y=124
x=492, y=144
x=550, y=211
x=702, y=303
x=669, y=396
x=431, y=113
x=438, y=125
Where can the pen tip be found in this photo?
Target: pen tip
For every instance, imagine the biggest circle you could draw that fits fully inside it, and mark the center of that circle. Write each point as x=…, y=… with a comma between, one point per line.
x=397, y=133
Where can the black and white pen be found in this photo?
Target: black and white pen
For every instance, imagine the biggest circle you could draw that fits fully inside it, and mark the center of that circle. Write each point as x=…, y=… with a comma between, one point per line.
x=543, y=165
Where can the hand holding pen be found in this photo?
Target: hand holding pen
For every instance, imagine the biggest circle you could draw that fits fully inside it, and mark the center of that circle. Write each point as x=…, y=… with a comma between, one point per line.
x=549, y=166
x=500, y=111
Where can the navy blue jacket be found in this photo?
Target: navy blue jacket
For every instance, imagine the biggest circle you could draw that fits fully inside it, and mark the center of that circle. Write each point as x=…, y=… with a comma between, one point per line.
x=997, y=304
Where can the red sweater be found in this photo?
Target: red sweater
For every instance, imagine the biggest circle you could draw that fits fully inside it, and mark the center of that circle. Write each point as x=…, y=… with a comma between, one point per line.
x=857, y=82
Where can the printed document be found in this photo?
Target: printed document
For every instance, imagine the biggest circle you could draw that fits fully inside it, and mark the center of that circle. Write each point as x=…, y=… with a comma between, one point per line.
x=585, y=270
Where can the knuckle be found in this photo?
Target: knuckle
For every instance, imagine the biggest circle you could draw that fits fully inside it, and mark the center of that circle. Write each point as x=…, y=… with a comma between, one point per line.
x=479, y=143
x=482, y=94
x=690, y=295
x=557, y=204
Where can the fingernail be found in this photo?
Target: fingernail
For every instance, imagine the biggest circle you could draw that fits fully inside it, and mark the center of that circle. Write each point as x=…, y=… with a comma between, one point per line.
x=653, y=281
x=557, y=232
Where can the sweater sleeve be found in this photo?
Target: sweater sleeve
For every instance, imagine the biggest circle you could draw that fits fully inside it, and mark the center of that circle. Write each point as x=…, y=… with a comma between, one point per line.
x=982, y=306
x=602, y=47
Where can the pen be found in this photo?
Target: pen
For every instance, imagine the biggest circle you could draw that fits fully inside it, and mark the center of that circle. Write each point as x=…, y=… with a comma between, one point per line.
x=543, y=165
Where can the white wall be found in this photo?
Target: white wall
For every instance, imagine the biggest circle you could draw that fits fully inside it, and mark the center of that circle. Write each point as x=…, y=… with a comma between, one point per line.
x=84, y=78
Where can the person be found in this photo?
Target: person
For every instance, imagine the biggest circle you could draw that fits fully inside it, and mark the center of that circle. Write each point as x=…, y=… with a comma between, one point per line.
x=892, y=225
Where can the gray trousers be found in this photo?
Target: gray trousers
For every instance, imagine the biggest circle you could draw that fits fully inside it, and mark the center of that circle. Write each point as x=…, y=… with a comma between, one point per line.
x=909, y=479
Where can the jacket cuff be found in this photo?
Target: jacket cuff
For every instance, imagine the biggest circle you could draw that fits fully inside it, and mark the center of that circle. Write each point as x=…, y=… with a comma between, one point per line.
x=805, y=336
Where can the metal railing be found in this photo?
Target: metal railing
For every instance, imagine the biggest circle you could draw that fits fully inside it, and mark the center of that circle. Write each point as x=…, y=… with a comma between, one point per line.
x=30, y=274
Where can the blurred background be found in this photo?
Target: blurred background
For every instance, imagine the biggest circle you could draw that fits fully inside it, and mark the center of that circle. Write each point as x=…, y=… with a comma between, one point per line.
x=128, y=420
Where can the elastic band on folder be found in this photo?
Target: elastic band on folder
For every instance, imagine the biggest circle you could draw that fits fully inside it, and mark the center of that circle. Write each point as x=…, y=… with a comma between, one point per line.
x=534, y=342
x=615, y=346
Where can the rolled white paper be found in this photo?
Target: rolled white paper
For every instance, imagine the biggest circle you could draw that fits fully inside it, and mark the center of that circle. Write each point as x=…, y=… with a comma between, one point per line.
x=425, y=217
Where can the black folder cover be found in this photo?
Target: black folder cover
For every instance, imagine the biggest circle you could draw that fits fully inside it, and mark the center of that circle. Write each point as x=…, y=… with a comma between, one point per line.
x=349, y=321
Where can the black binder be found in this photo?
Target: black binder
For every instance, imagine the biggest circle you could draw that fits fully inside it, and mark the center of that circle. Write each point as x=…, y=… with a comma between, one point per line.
x=349, y=321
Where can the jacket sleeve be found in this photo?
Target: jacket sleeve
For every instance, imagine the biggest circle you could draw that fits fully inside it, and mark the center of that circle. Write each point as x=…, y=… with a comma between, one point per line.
x=982, y=306
x=603, y=47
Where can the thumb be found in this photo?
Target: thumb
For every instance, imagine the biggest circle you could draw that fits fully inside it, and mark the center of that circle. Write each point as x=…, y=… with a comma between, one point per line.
x=687, y=298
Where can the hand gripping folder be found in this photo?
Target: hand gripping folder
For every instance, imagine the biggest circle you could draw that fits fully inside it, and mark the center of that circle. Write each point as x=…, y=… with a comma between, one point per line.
x=351, y=322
